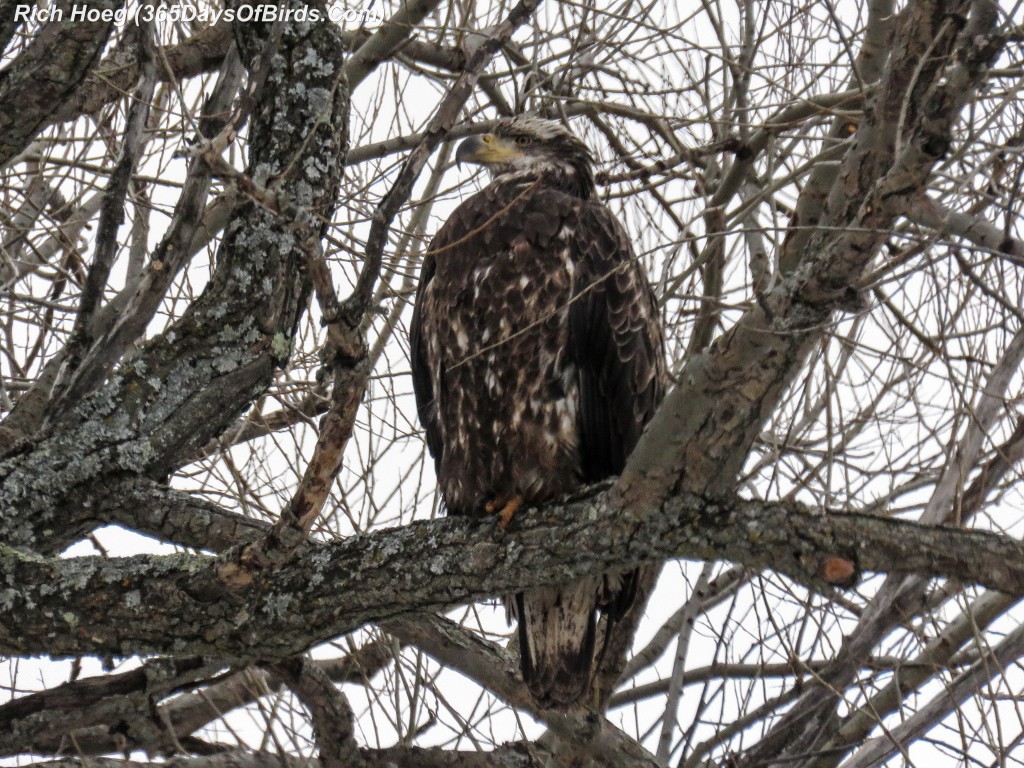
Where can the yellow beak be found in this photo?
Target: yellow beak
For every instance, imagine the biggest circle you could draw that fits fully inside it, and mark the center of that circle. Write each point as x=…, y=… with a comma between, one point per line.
x=486, y=149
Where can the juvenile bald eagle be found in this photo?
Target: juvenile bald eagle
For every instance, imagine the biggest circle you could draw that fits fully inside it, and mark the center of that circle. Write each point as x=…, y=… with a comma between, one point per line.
x=537, y=360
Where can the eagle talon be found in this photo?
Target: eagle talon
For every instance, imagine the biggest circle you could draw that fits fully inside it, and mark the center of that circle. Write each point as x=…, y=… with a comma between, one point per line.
x=506, y=512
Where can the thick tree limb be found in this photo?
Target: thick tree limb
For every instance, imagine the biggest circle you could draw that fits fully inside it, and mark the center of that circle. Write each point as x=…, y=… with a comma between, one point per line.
x=512, y=755
x=330, y=712
x=41, y=722
x=180, y=605
x=190, y=383
x=387, y=39
x=871, y=61
x=115, y=75
x=120, y=711
x=42, y=76
x=186, y=519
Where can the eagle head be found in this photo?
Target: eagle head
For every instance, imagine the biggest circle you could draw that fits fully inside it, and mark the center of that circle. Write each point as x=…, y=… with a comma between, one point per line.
x=532, y=147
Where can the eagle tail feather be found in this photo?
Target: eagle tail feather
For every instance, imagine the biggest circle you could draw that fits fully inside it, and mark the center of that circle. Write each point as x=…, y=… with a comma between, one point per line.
x=557, y=640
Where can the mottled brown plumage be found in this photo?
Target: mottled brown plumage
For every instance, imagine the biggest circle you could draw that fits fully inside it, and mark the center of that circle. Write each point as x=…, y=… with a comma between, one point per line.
x=537, y=360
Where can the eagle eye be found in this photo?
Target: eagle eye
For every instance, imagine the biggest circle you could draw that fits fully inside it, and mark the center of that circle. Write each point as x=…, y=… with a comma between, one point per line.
x=523, y=141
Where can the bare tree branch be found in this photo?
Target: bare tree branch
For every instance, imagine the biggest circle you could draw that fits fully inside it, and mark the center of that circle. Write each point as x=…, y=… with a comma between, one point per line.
x=828, y=200
x=331, y=589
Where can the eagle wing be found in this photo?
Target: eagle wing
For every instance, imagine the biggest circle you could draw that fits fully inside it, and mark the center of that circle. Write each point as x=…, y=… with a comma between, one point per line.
x=423, y=386
x=616, y=341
